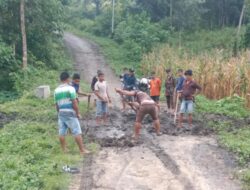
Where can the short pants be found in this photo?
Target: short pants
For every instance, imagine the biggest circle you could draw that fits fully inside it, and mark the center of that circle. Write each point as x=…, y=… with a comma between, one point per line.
x=156, y=98
x=101, y=108
x=187, y=106
x=68, y=120
x=145, y=109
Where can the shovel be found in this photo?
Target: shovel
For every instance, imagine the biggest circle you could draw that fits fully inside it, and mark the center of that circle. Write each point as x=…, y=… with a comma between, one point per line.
x=176, y=108
x=88, y=107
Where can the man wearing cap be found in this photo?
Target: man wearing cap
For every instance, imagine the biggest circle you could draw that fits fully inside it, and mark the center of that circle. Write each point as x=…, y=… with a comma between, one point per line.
x=188, y=92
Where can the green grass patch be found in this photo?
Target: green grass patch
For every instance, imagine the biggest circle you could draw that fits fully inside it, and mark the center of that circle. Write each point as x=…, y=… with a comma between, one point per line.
x=30, y=153
x=6, y=96
x=230, y=106
x=238, y=142
x=31, y=157
x=233, y=138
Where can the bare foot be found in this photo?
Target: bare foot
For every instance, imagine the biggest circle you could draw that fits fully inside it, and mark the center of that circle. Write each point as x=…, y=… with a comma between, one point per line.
x=159, y=133
x=85, y=152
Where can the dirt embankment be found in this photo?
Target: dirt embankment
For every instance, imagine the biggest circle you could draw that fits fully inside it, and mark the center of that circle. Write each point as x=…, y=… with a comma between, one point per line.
x=177, y=160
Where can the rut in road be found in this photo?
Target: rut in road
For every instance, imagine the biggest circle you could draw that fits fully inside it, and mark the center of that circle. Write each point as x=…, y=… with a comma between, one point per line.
x=174, y=161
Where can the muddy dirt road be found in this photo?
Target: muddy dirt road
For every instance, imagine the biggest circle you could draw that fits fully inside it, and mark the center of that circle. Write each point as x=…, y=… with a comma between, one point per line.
x=184, y=160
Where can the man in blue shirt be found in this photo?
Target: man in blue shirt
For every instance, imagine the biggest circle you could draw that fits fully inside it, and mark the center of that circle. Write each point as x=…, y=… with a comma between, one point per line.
x=179, y=84
x=180, y=80
x=129, y=82
x=76, y=84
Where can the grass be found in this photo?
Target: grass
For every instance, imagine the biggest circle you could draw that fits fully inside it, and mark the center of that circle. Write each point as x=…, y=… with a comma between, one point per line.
x=230, y=106
x=238, y=142
x=30, y=153
x=233, y=138
x=7, y=96
x=31, y=157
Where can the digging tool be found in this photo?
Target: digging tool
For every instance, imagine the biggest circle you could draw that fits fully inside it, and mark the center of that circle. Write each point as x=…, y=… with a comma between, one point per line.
x=176, y=107
x=88, y=107
x=88, y=102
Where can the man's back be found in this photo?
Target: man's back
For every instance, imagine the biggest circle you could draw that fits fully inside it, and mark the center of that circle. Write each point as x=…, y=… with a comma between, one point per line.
x=142, y=96
x=130, y=82
x=179, y=83
x=63, y=95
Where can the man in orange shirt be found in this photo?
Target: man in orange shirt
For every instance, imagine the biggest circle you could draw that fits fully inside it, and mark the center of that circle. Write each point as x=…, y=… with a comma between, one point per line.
x=155, y=88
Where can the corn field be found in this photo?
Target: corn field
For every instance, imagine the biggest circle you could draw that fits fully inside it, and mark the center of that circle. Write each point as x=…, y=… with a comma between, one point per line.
x=218, y=74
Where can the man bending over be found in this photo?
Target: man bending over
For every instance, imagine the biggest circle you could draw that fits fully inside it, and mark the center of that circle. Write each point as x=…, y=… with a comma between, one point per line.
x=144, y=105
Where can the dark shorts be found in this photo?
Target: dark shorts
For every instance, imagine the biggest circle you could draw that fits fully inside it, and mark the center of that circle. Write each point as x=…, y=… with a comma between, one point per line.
x=156, y=98
x=150, y=109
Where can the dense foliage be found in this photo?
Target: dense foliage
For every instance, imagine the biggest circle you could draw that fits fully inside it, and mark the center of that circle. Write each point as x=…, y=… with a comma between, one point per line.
x=141, y=24
x=43, y=20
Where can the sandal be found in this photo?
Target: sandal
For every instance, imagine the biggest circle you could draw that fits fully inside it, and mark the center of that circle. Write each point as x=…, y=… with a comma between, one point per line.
x=71, y=170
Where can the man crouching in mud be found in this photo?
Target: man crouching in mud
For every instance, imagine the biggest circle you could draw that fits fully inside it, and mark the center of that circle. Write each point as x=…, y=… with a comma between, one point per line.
x=144, y=105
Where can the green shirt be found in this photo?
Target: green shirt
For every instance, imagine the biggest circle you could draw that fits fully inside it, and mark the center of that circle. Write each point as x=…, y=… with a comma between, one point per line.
x=63, y=95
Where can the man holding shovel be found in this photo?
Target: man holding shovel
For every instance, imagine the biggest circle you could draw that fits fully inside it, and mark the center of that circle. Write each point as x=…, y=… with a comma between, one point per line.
x=76, y=84
x=188, y=92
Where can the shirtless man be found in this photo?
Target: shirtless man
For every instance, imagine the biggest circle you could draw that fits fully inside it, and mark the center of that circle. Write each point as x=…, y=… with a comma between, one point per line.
x=144, y=105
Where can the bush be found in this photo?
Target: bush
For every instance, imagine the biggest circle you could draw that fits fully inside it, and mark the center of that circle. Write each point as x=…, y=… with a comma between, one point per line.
x=138, y=33
x=8, y=65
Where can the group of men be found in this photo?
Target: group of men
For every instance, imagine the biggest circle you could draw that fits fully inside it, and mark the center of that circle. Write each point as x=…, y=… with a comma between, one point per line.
x=177, y=89
x=142, y=96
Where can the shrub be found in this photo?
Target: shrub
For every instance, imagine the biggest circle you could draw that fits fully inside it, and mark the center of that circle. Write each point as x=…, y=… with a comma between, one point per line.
x=8, y=65
x=138, y=33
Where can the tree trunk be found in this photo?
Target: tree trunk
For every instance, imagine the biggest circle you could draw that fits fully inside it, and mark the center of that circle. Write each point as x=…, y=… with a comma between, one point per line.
x=97, y=7
x=236, y=45
x=171, y=12
x=23, y=31
x=241, y=19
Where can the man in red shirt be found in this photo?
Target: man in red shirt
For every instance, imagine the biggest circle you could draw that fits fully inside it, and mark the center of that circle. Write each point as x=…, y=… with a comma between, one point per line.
x=155, y=88
x=188, y=92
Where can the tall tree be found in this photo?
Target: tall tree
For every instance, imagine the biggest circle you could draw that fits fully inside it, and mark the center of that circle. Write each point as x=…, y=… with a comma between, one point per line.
x=23, y=32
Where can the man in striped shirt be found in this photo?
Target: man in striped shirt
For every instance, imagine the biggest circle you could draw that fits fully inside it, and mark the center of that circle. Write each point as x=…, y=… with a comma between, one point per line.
x=68, y=112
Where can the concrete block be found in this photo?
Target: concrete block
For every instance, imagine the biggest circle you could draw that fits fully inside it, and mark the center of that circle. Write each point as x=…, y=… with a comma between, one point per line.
x=43, y=92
